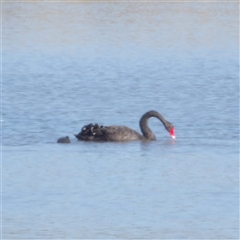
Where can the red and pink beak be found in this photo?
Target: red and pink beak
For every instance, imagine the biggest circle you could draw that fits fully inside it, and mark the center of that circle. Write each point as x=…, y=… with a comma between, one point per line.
x=172, y=133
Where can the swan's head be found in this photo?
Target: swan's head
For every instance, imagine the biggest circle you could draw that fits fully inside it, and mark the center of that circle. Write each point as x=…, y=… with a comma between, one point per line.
x=172, y=132
x=170, y=128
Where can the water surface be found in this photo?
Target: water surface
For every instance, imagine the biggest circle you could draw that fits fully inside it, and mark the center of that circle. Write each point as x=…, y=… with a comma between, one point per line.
x=68, y=64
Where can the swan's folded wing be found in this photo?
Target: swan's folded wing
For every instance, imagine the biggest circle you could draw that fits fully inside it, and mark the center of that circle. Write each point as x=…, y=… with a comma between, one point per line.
x=120, y=133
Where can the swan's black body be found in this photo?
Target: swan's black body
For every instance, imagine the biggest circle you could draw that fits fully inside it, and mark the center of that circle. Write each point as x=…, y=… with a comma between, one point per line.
x=94, y=132
x=89, y=131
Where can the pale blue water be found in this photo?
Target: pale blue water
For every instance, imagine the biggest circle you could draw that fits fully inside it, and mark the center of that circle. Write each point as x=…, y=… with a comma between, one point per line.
x=68, y=64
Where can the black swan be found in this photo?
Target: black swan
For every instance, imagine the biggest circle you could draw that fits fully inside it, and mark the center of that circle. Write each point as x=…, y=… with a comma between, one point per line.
x=94, y=132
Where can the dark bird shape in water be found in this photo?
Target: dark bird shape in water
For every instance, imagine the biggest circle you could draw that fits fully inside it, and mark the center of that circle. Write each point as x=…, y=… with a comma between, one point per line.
x=94, y=132
x=64, y=140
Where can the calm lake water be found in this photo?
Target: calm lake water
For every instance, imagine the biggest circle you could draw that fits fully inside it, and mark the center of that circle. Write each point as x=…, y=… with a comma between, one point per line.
x=65, y=65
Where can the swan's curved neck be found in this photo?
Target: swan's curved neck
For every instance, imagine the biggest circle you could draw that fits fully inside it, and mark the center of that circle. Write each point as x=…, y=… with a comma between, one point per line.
x=147, y=132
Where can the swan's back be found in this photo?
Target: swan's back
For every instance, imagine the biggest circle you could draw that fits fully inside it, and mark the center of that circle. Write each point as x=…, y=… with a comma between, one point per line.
x=98, y=133
x=118, y=134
